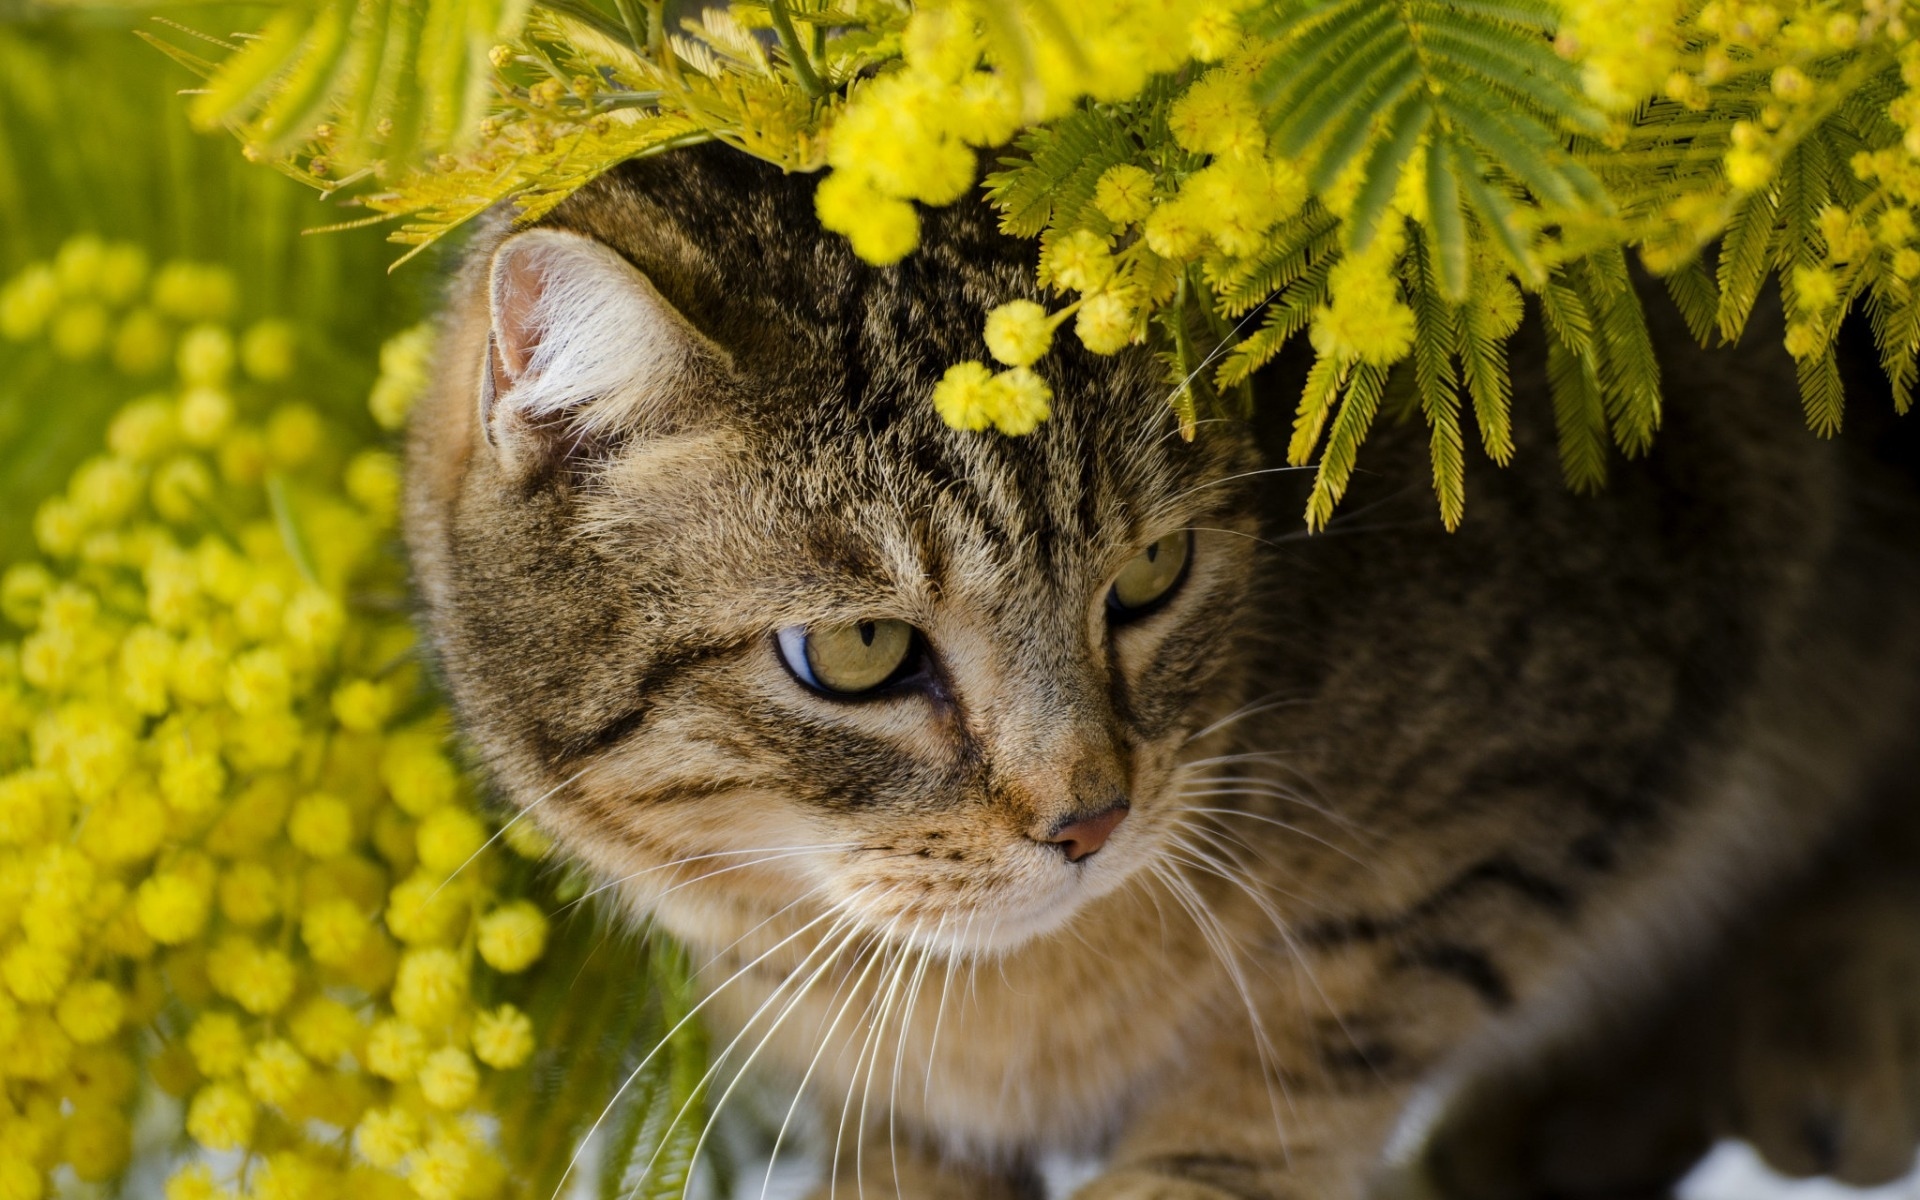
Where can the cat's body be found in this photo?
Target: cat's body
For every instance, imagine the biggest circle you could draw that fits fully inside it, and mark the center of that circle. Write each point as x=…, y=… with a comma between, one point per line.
x=1470, y=794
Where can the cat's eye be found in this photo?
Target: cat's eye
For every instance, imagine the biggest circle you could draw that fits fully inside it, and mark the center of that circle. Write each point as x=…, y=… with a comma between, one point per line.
x=1150, y=577
x=847, y=660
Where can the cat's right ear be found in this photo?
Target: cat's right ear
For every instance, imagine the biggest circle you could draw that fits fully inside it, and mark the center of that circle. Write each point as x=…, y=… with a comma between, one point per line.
x=582, y=351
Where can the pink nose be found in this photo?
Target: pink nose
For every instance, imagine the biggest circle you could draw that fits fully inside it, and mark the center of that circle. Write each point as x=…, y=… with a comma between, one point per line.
x=1081, y=838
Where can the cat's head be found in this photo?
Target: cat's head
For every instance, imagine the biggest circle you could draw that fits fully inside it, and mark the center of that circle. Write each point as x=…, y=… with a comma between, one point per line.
x=719, y=594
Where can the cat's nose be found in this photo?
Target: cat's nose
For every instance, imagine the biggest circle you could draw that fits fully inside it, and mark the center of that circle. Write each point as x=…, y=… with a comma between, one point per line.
x=1081, y=836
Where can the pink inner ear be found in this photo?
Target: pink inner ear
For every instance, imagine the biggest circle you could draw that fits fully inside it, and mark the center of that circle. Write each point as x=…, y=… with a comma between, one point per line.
x=516, y=303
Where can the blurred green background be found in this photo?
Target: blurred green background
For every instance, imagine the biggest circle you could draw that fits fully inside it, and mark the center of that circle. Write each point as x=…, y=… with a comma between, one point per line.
x=93, y=139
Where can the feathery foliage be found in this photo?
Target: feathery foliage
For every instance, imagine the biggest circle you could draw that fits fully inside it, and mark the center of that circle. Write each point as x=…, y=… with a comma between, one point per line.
x=1389, y=177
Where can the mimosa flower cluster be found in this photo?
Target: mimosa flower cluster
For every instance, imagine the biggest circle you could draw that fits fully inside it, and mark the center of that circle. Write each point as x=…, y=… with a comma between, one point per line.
x=1216, y=179
x=238, y=866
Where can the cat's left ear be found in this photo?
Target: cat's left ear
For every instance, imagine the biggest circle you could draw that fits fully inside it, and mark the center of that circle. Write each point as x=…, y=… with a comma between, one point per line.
x=583, y=349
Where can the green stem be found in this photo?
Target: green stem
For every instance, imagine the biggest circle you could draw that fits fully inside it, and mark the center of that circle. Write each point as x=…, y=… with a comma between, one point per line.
x=635, y=22
x=796, y=53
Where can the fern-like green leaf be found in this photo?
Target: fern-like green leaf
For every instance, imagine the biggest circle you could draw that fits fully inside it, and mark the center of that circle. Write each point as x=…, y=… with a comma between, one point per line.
x=1292, y=248
x=1698, y=299
x=1821, y=393
x=1579, y=416
x=1483, y=361
x=1287, y=316
x=1316, y=405
x=1358, y=406
x=1436, y=333
x=1057, y=178
x=1631, y=383
x=1479, y=82
x=1745, y=252
x=1896, y=330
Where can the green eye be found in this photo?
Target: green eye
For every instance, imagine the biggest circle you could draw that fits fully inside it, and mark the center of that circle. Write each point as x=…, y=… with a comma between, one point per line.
x=847, y=659
x=1150, y=577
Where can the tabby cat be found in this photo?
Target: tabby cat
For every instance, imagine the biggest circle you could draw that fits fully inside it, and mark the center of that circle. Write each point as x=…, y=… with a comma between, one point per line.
x=1055, y=794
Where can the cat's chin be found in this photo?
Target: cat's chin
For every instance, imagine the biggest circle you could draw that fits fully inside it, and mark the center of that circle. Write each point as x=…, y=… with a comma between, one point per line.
x=1001, y=921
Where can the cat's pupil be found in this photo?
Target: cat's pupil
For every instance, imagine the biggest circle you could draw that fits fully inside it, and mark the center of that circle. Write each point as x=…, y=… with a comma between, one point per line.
x=866, y=633
x=1153, y=551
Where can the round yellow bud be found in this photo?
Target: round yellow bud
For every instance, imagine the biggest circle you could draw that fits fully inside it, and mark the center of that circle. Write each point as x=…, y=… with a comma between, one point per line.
x=1105, y=324
x=121, y=273
x=1804, y=339
x=417, y=775
x=447, y=839
x=205, y=414
x=78, y=264
x=385, y=1136
x=218, y=1044
x=193, y=1182
x=503, y=1037
x=128, y=828
x=97, y=1143
x=257, y=613
x=448, y=1078
x=882, y=229
x=1791, y=83
x=441, y=1170
x=964, y=396
x=79, y=332
x=334, y=931
x=1019, y=332
x=146, y=662
x=1895, y=227
x=526, y=839
x=141, y=343
x=293, y=432
x=205, y=357
x=191, y=780
x=172, y=907
x=41, y=1051
x=1815, y=289
x=276, y=1071
x=27, y=301
x=27, y=803
x=395, y=1049
x=1173, y=232
x=430, y=986
x=362, y=705
x=262, y=980
x=1020, y=401
x=267, y=351
x=1080, y=262
x=58, y=527
x=314, y=620
x=22, y=590
x=35, y=973
x=105, y=490
x=221, y=1117
x=321, y=825
x=513, y=936
x=423, y=909
x=250, y=894
x=181, y=488
x=91, y=1011
x=373, y=480
x=1748, y=170
x=259, y=682
x=325, y=1029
